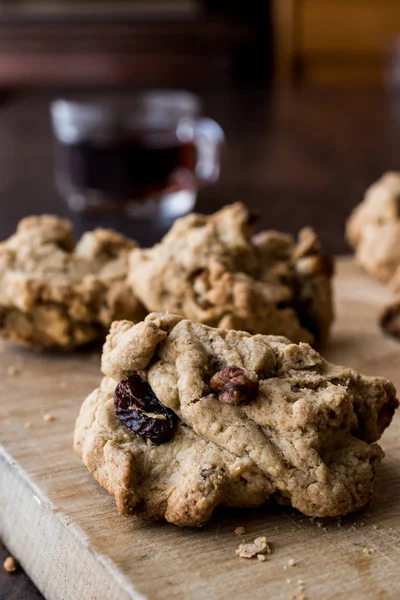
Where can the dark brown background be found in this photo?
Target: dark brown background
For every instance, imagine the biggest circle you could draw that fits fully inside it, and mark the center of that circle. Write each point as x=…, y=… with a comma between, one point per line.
x=301, y=157
x=298, y=156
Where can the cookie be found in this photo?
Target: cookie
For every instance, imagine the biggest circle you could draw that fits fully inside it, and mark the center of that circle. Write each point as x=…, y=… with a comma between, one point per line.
x=211, y=269
x=56, y=292
x=373, y=229
x=189, y=417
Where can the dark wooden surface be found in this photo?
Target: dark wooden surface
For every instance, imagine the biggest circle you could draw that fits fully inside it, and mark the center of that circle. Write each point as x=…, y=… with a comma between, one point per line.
x=298, y=157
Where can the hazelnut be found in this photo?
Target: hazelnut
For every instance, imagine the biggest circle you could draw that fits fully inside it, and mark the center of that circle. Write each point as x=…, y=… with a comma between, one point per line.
x=235, y=385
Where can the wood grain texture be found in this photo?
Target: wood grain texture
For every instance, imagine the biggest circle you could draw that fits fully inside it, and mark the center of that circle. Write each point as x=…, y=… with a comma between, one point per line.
x=70, y=539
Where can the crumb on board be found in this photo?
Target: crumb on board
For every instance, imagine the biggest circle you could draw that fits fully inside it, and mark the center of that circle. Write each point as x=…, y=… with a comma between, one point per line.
x=252, y=549
x=368, y=550
x=49, y=418
x=290, y=563
x=301, y=595
x=12, y=371
x=10, y=564
x=27, y=425
x=261, y=557
x=240, y=531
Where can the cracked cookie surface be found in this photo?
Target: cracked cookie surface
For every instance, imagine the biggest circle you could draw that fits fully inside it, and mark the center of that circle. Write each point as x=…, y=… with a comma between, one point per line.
x=306, y=435
x=56, y=292
x=212, y=270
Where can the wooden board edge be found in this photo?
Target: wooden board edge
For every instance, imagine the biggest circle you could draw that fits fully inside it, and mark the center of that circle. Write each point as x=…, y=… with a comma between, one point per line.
x=50, y=552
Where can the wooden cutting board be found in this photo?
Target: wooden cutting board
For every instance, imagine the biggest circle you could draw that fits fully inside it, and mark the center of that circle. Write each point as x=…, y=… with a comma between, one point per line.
x=68, y=536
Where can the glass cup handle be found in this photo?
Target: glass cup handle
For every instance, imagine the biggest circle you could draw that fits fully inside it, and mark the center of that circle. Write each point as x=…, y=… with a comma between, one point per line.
x=208, y=137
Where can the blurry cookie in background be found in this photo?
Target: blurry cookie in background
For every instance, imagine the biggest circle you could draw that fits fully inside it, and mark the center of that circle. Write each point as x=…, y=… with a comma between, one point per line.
x=56, y=292
x=373, y=230
x=213, y=270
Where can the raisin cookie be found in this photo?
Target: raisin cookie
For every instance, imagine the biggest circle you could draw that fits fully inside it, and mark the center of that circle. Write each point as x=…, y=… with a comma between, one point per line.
x=189, y=417
x=212, y=270
x=56, y=292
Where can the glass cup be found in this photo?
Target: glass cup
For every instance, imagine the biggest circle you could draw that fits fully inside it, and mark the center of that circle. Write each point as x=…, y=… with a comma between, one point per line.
x=145, y=161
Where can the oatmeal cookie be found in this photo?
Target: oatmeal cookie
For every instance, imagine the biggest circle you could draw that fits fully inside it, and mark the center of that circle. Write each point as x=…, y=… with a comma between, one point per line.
x=254, y=417
x=373, y=229
x=56, y=292
x=211, y=269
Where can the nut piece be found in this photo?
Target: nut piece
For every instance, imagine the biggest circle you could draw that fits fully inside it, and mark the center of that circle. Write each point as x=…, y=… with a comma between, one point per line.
x=10, y=564
x=235, y=385
x=260, y=546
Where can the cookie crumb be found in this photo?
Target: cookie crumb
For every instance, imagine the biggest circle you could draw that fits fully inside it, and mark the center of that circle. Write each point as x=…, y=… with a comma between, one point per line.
x=27, y=425
x=375, y=527
x=240, y=531
x=367, y=551
x=10, y=564
x=12, y=371
x=261, y=557
x=291, y=563
x=259, y=546
x=49, y=418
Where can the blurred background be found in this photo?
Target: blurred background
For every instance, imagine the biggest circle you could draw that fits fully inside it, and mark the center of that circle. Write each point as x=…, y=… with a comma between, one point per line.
x=306, y=91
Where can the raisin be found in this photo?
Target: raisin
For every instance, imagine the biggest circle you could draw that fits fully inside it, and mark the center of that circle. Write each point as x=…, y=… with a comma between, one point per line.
x=137, y=407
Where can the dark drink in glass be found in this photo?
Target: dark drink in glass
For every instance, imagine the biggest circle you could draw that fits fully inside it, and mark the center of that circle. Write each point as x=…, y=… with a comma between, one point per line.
x=145, y=162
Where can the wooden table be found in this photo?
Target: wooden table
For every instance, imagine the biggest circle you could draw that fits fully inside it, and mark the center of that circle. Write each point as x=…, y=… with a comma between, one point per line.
x=300, y=158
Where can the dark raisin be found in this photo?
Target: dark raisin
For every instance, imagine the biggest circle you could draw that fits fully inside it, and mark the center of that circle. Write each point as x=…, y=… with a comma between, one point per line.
x=137, y=407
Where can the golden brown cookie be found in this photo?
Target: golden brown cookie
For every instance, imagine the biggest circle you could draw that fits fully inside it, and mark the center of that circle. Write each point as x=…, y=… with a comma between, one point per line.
x=189, y=417
x=55, y=292
x=373, y=229
x=211, y=269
